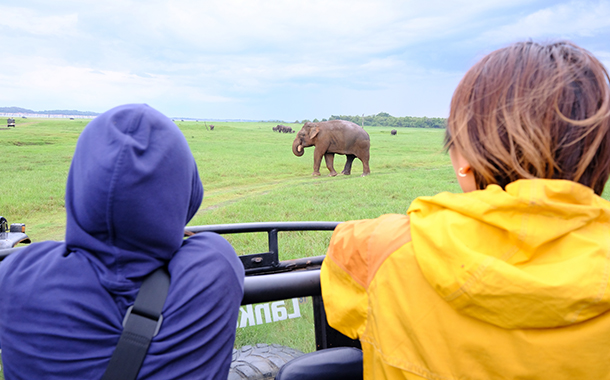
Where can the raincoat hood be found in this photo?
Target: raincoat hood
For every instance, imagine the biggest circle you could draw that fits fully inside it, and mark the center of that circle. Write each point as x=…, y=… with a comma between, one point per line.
x=532, y=256
x=132, y=187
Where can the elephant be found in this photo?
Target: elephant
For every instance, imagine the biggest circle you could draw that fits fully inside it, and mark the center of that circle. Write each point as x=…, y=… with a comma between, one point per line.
x=330, y=137
x=282, y=129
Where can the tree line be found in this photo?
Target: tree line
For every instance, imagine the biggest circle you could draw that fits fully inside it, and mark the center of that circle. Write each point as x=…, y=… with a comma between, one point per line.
x=384, y=119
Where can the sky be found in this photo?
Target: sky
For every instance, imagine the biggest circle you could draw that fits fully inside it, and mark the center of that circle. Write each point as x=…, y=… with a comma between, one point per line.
x=269, y=60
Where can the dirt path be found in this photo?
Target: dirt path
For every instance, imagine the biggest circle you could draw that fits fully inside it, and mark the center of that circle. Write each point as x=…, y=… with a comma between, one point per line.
x=225, y=196
x=24, y=124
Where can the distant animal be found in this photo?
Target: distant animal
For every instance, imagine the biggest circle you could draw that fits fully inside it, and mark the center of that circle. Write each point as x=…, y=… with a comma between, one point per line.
x=334, y=137
x=283, y=129
x=393, y=132
x=211, y=127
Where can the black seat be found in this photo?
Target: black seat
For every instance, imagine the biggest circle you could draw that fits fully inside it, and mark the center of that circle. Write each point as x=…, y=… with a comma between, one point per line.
x=339, y=363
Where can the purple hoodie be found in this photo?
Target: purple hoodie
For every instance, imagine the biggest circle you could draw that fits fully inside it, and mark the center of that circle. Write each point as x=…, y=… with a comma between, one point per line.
x=133, y=186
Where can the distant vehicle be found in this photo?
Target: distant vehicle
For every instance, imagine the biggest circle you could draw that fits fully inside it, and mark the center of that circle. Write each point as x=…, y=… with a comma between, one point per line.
x=10, y=122
x=12, y=235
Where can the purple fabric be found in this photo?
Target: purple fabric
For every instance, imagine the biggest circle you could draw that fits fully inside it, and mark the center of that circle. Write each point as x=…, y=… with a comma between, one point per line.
x=132, y=187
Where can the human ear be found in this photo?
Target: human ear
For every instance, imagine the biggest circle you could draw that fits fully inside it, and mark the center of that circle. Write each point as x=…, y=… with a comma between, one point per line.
x=463, y=171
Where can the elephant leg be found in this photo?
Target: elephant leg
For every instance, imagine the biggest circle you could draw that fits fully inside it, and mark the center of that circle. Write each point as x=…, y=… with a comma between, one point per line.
x=329, y=158
x=347, y=170
x=365, y=164
x=317, y=160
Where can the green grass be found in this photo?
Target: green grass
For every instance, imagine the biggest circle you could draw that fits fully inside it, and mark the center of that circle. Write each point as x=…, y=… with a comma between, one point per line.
x=250, y=175
x=248, y=171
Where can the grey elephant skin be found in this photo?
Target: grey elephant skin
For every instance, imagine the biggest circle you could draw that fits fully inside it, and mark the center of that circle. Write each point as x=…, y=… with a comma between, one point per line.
x=334, y=137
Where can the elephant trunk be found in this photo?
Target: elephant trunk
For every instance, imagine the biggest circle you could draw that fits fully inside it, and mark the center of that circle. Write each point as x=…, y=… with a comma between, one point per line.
x=297, y=148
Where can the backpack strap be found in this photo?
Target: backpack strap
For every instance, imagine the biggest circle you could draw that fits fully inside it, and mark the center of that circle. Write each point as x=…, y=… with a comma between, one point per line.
x=142, y=322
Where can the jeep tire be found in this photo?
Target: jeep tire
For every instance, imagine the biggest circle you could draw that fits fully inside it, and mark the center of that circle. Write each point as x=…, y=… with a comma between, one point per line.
x=262, y=361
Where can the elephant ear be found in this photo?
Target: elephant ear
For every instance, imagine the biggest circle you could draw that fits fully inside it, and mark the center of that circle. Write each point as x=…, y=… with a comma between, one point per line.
x=313, y=132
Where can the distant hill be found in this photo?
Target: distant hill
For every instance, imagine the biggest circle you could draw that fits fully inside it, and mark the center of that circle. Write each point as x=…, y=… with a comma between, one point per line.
x=48, y=112
x=14, y=110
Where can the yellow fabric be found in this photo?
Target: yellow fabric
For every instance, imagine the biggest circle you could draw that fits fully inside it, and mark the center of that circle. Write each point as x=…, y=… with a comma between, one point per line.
x=491, y=284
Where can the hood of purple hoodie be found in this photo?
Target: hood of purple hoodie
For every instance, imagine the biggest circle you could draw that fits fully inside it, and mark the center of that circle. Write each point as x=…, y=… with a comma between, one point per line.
x=132, y=187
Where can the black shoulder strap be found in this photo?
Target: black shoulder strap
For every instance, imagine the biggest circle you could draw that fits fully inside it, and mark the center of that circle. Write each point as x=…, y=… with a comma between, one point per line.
x=141, y=324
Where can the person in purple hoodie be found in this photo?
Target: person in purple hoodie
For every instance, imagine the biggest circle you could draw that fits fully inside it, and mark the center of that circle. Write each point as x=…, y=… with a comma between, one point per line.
x=132, y=187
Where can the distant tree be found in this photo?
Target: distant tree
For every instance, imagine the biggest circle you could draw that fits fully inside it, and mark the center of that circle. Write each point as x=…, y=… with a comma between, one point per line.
x=316, y=120
x=387, y=120
x=304, y=121
x=324, y=120
x=296, y=122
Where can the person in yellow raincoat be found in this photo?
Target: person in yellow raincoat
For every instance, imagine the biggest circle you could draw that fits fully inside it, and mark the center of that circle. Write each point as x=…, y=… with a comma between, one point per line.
x=509, y=280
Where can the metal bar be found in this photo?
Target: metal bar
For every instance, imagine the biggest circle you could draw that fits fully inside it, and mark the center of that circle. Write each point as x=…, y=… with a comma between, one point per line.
x=273, y=246
x=309, y=263
x=305, y=262
x=264, y=227
x=319, y=320
x=281, y=286
x=259, y=262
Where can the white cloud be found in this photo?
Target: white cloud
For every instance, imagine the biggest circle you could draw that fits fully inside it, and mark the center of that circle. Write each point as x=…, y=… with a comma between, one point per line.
x=574, y=19
x=29, y=21
x=91, y=89
x=248, y=55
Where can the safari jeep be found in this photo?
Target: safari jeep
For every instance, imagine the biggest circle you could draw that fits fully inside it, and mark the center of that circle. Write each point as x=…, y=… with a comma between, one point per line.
x=12, y=235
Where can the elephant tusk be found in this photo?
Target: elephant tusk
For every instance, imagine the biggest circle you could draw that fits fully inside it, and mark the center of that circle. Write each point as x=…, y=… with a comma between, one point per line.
x=299, y=148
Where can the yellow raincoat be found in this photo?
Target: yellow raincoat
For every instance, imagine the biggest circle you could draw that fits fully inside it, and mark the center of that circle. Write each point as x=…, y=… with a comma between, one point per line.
x=490, y=284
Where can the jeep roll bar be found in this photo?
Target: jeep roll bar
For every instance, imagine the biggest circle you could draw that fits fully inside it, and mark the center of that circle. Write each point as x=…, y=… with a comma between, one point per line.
x=269, y=262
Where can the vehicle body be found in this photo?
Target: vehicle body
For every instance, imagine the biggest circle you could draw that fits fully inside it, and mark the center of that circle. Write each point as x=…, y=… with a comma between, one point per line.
x=268, y=279
x=12, y=235
x=10, y=122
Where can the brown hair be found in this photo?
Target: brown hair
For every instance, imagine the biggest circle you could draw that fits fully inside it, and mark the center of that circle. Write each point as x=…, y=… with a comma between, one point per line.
x=534, y=111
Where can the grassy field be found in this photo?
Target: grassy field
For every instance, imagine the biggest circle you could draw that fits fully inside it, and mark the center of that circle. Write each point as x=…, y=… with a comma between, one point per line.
x=248, y=171
x=250, y=175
